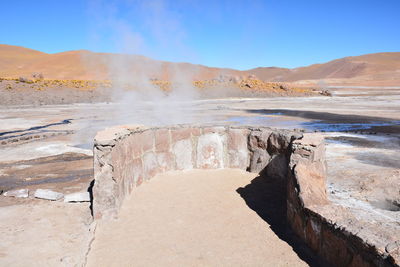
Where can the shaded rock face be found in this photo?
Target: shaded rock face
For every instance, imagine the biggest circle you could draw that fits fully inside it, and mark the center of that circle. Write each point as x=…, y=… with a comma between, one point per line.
x=258, y=143
x=270, y=151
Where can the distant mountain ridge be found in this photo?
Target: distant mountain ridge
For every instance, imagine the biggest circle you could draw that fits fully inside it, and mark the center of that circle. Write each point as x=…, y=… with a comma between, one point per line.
x=369, y=69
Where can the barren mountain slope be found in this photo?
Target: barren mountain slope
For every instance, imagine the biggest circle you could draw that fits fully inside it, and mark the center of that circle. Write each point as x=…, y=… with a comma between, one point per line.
x=370, y=67
x=17, y=61
x=82, y=64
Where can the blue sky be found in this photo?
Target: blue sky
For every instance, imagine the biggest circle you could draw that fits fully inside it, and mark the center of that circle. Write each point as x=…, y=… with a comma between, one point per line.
x=236, y=34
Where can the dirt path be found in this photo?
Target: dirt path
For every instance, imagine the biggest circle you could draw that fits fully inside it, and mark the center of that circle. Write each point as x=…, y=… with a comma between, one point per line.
x=191, y=218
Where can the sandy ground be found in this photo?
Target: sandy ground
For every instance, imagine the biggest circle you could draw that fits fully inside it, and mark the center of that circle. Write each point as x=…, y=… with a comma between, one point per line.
x=43, y=233
x=191, y=218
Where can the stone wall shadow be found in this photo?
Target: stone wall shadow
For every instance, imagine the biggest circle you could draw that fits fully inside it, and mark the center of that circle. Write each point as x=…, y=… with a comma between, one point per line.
x=266, y=195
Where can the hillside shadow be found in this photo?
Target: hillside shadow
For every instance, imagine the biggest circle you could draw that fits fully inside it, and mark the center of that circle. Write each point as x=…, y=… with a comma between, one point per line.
x=267, y=197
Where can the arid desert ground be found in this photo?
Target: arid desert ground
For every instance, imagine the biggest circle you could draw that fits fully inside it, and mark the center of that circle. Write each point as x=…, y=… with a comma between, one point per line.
x=200, y=133
x=50, y=147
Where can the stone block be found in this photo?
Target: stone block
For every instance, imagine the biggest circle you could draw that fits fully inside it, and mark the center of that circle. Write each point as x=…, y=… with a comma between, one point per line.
x=313, y=234
x=335, y=249
x=77, y=197
x=150, y=165
x=105, y=192
x=310, y=139
x=297, y=223
x=146, y=139
x=278, y=142
x=238, y=152
x=141, y=142
x=118, y=162
x=137, y=171
x=258, y=139
x=183, y=153
x=311, y=180
x=134, y=147
x=181, y=134
x=165, y=161
x=237, y=139
x=277, y=166
x=238, y=159
x=162, y=140
x=259, y=159
x=19, y=193
x=48, y=194
x=210, y=151
x=216, y=129
x=358, y=261
x=109, y=136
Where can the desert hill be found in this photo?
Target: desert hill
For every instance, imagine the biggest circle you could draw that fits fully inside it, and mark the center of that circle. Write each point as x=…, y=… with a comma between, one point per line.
x=379, y=67
x=86, y=65
x=370, y=69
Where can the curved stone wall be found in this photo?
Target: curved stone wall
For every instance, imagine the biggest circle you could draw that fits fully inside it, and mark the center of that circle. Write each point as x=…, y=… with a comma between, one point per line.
x=328, y=229
x=126, y=156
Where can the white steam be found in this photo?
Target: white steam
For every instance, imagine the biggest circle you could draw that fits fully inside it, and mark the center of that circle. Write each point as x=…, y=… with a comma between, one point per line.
x=134, y=28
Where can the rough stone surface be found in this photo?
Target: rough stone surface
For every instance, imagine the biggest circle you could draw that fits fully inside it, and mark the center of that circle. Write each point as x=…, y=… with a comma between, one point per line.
x=77, y=197
x=20, y=193
x=150, y=165
x=258, y=139
x=259, y=160
x=137, y=172
x=183, y=152
x=162, y=140
x=48, y=194
x=109, y=136
x=210, y=154
x=238, y=153
x=309, y=167
x=146, y=140
x=180, y=134
x=278, y=142
x=218, y=129
x=165, y=161
x=277, y=166
x=393, y=247
x=335, y=249
x=312, y=183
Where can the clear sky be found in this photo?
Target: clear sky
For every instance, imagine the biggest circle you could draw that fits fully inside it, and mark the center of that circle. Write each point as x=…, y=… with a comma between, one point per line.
x=237, y=34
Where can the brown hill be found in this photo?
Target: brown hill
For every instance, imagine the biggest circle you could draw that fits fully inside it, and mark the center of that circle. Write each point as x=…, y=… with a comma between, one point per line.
x=370, y=69
x=366, y=69
x=18, y=61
